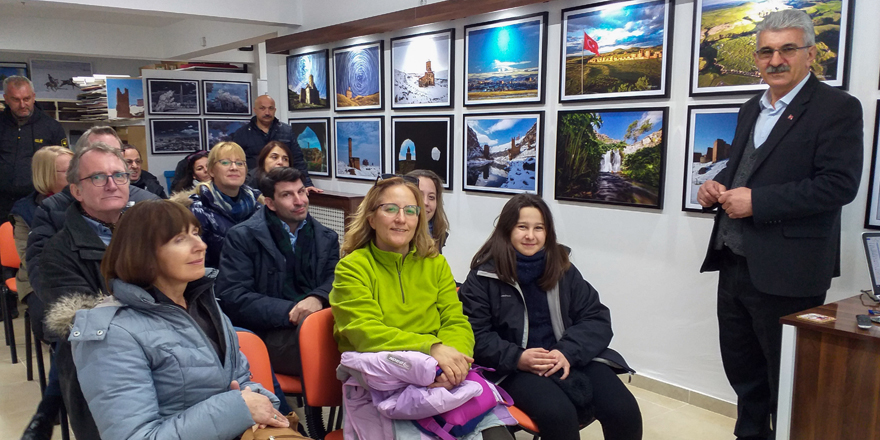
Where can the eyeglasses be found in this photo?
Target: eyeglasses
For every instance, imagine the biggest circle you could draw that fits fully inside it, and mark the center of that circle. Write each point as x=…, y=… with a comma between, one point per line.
x=787, y=51
x=131, y=162
x=391, y=210
x=410, y=179
x=100, y=180
x=226, y=163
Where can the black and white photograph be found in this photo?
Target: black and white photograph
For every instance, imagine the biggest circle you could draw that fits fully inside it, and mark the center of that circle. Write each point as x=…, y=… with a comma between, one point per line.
x=221, y=130
x=227, y=98
x=172, y=97
x=53, y=79
x=423, y=143
x=174, y=136
x=422, y=67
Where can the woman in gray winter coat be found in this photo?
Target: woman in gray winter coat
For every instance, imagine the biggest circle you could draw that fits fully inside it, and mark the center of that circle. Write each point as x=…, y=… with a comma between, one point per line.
x=158, y=359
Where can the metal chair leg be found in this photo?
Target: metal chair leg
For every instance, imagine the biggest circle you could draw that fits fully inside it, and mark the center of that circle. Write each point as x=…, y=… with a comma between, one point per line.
x=41, y=368
x=65, y=429
x=28, y=349
x=7, y=325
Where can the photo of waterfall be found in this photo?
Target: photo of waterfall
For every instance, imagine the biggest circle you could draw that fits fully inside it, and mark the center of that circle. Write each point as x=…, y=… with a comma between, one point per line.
x=611, y=156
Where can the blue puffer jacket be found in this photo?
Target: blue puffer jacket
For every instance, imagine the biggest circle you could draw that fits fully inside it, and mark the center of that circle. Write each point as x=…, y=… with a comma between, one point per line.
x=149, y=372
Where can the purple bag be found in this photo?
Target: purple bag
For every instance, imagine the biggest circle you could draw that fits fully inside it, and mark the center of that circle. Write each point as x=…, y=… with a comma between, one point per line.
x=448, y=425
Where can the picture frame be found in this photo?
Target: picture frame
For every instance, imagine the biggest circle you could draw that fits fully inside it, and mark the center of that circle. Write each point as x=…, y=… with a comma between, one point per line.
x=313, y=137
x=308, y=81
x=506, y=61
x=422, y=70
x=175, y=136
x=359, y=147
x=221, y=130
x=710, y=131
x=620, y=49
x=423, y=143
x=53, y=79
x=8, y=69
x=358, y=77
x=503, y=152
x=125, y=98
x=724, y=41
x=614, y=156
x=229, y=98
x=173, y=97
x=872, y=210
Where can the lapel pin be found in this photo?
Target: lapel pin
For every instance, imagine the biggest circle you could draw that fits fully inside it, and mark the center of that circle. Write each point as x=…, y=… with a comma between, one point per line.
x=790, y=117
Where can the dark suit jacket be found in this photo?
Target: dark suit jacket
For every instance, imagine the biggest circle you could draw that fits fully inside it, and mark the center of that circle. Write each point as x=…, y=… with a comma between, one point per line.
x=808, y=168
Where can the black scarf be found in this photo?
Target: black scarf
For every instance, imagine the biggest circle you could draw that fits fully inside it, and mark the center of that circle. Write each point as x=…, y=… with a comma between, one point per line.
x=300, y=262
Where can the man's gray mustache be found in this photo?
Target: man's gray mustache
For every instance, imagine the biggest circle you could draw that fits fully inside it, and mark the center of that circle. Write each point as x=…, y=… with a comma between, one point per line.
x=778, y=69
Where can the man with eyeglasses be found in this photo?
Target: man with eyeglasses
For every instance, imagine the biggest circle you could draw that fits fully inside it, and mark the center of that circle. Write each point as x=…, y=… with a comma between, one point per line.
x=277, y=267
x=141, y=178
x=795, y=160
x=71, y=260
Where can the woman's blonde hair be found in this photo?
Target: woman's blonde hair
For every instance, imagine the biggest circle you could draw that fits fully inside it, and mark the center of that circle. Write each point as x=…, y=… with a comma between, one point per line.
x=360, y=233
x=441, y=222
x=43, y=167
x=221, y=149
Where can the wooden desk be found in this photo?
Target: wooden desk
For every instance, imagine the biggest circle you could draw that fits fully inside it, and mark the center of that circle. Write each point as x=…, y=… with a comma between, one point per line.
x=830, y=375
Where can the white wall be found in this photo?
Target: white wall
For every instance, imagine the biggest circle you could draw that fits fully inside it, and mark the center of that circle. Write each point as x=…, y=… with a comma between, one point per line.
x=645, y=263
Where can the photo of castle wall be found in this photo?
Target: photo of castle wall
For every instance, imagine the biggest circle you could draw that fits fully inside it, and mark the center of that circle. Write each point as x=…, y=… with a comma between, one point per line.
x=710, y=133
x=125, y=98
x=359, y=147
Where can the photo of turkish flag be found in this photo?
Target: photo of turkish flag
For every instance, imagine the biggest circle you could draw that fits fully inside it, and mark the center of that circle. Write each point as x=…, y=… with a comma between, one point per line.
x=590, y=44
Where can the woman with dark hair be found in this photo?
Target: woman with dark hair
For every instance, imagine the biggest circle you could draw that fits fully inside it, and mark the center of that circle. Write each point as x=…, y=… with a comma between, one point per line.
x=541, y=326
x=196, y=171
x=275, y=154
x=432, y=192
x=158, y=359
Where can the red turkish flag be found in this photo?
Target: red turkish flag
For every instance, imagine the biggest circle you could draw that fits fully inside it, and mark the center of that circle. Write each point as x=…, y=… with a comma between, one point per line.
x=590, y=44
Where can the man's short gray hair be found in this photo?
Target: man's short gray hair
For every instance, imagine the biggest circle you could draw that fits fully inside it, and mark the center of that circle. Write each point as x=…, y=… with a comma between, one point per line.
x=96, y=131
x=16, y=81
x=73, y=171
x=788, y=19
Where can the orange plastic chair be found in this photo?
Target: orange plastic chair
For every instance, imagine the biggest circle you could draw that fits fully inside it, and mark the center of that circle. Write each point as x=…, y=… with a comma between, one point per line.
x=525, y=423
x=257, y=356
x=9, y=260
x=320, y=357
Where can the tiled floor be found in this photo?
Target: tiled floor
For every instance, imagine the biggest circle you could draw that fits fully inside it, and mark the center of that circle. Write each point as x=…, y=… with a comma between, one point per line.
x=664, y=418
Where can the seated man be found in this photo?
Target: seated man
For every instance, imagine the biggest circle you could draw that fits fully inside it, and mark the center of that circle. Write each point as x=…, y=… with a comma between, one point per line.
x=71, y=260
x=141, y=178
x=277, y=267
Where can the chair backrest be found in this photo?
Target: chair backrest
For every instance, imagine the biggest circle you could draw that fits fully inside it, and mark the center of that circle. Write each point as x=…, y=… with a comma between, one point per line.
x=258, y=358
x=8, y=253
x=320, y=357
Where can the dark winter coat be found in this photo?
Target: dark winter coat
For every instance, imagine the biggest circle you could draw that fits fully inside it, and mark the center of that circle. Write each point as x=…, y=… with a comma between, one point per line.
x=498, y=315
x=17, y=148
x=252, y=140
x=149, y=182
x=252, y=272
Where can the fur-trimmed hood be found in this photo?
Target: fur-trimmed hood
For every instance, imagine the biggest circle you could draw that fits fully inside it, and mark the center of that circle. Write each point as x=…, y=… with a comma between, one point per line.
x=59, y=319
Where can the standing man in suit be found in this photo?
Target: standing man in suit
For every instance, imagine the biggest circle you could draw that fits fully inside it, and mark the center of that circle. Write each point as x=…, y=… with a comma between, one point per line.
x=796, y=159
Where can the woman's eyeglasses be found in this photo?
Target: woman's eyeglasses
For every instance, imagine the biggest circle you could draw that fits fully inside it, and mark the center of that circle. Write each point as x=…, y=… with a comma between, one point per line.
x=391, y=210
x=410, y=179
x=228, y=163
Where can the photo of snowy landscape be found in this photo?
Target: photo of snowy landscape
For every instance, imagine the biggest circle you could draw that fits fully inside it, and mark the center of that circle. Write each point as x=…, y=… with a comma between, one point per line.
x=421, y=70
x=359, y=147
x=710, y=133
x=503, y=153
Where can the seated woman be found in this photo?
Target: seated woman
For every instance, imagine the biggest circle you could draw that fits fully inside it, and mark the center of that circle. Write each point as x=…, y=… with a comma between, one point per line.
x=394, y=292
x=159, y=359
x=49, y=172
x=432, y=192
x=195, y=171
x=225, y=201
x=540, y=325
x=275, y=154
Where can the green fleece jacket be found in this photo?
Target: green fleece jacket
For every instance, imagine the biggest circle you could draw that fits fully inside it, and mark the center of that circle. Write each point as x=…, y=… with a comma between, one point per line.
x=384, y=301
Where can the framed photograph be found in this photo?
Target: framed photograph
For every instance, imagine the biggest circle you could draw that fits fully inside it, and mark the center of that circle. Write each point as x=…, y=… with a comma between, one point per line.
x=175, y=136
x=616, y=50
x=503, y=152
x=724, y=42
x=710, y=131
x=221, y=130
x=308, y=81
x=613, y=156
x=358, y=76
x=313, y=137
x=422, y=67
x=505, y=61
x=872, y=211
x=359, y=143
x=13, y=69
x=172, y=97
x=227, y=97
x=422, y=143
x=125, y=98
x=54, y=79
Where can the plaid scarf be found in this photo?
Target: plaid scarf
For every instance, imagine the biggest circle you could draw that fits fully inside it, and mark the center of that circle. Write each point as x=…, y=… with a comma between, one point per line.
x=239, y=208
x=300, y=276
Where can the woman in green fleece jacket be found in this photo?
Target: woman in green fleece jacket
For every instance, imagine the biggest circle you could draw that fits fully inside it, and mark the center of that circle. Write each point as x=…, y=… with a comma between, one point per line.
x=393, y=291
